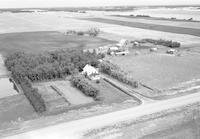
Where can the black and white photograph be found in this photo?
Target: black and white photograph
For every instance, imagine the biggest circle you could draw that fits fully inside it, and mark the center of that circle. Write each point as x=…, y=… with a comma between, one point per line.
x=99, y=69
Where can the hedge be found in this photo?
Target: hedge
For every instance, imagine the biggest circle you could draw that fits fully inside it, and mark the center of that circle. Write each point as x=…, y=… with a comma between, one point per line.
x=82, y=84
x=168, y=43
x=33, y=96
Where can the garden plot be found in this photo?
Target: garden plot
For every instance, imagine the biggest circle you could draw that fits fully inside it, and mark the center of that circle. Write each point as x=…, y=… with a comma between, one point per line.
x=52, y=99
x=73, y=95
x=62, y=93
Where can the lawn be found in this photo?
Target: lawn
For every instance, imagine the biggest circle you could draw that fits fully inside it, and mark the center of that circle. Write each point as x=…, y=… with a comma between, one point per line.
x=46, y=41
x=160, y=70
x=110, y=94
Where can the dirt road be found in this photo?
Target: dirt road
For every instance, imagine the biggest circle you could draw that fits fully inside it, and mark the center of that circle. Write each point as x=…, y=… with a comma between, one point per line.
x=75, y=129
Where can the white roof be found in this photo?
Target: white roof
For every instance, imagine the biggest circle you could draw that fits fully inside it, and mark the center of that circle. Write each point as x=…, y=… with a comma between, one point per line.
x=122, y=42
x=114, y=48
x=88, y=69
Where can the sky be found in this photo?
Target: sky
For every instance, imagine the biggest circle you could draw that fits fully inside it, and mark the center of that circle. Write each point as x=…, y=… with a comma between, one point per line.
x=79, y=3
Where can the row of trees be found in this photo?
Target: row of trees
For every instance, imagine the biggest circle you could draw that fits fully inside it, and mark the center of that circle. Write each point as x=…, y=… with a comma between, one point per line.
x=115, y=72
x=33, y=96
x=168, y=43
x=50, y=65
x=85, y=86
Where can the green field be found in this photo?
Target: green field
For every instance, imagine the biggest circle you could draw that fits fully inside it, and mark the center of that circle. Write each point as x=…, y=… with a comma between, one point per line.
x=46, y=41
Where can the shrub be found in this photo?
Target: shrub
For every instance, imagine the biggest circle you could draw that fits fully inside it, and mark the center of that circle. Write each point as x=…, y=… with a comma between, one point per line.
x=80, y=33
x=97, y=81
x=84, y=86
x=93, y=32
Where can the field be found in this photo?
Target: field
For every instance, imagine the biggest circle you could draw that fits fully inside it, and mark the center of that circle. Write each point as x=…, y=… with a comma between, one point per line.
x=164, y=28
x=162, y=71
x=43, y=41
x=160, y=21
x=15, y=109
x=3, y=70
x=62, y=21
x=6, y=88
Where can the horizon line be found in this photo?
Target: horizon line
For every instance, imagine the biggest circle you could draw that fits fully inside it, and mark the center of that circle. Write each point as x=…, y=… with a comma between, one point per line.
x=180, y=5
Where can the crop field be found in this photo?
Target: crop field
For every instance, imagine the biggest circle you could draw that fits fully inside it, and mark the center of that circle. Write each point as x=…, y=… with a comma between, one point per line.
x=15, y=109
x=159, y=70
x=46, y=41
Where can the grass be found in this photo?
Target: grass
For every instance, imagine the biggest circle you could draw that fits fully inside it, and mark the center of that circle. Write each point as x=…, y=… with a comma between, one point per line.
x=46, y=41
x=159, y=70
x=110, y=94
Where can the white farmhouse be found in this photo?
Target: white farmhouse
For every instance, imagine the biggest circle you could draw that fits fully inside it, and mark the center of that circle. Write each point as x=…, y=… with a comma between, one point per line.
x=91, y=72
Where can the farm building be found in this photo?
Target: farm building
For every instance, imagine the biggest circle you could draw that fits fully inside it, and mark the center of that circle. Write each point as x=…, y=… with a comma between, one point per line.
x=135, y=43
x=91, y=72
x=123, y=44
x=171, y=51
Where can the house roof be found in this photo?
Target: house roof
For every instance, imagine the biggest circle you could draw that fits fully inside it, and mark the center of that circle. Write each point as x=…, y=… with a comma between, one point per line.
x=88, y=69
